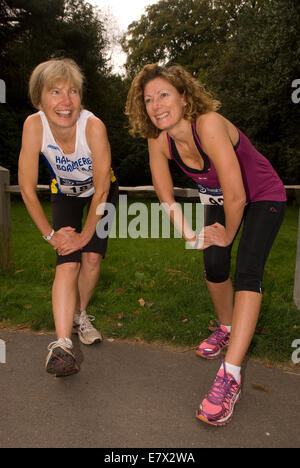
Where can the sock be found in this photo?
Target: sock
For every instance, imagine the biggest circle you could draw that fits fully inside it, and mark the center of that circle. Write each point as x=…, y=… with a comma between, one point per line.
x=66, y=341
x=228, y=328
x=76, y=318
x=69, y=341
x=235, y=371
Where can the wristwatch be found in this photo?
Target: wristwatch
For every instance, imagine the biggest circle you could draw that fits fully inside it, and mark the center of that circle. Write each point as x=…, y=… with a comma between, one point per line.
x=48, y=238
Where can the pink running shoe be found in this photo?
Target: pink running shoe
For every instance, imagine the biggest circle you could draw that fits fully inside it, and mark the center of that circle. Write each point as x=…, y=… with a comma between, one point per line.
x=212, y=347
x=218, y=405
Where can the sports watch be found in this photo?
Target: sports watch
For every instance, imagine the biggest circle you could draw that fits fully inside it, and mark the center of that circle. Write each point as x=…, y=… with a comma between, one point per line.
x=48, y=238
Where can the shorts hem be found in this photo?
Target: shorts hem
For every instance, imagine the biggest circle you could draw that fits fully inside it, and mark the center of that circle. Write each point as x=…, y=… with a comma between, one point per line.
x=255, y=290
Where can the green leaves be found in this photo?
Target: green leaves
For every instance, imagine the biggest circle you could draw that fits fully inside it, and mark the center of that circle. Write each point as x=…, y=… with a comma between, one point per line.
x=182, y=31
x=245, y=51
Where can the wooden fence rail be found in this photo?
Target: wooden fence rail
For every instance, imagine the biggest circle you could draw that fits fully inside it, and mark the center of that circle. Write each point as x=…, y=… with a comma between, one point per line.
x=6, y=189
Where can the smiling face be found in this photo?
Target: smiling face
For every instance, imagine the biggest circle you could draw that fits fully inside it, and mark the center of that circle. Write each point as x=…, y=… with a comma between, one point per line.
x=164, y=104
x=61, y=104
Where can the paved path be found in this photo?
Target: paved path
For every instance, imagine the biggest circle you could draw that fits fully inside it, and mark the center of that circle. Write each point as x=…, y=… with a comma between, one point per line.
x=136, y=396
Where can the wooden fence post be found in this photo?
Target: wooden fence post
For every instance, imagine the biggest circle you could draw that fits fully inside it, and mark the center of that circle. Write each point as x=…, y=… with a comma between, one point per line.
x=5, y=251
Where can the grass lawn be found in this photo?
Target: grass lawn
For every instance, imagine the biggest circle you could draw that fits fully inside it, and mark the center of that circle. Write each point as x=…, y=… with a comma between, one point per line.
x=150, y=289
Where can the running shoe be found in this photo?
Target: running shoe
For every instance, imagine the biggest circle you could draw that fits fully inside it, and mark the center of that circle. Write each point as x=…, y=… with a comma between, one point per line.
x=88, y=334
x=61, y=360
x=218, y=405
x=212, y=347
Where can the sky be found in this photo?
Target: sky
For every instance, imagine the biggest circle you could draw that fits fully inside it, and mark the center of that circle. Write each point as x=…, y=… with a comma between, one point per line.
x=125, y=12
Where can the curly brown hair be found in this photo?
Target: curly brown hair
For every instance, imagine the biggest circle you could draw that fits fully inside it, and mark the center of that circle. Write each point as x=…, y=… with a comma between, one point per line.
x=199, y=101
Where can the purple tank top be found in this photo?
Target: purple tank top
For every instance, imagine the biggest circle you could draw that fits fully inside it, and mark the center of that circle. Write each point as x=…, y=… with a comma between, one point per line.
x=261, y=181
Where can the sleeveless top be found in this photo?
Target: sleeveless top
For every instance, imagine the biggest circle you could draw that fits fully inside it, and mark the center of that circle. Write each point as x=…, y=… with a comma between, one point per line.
x=261, y=182
x=71, y=174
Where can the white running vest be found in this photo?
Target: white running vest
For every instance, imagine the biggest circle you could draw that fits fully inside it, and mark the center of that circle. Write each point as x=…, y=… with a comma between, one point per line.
x=71, y=174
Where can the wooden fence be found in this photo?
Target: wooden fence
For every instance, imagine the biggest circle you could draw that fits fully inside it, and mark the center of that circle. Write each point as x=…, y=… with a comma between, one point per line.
x=5, y=247
x=6, y=189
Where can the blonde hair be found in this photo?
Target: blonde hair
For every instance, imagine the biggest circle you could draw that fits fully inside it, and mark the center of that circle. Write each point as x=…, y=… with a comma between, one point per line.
x=48, y=74
x=199, y=101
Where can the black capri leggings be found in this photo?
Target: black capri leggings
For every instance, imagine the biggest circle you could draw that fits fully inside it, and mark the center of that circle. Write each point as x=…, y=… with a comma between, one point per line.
x=262, y=221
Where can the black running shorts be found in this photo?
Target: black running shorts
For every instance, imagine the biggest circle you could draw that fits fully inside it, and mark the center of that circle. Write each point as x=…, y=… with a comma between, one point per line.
x=262, y=221
x=68, y=211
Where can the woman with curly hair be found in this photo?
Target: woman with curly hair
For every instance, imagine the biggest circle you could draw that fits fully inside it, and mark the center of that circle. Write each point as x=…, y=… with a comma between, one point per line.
x=237, y=185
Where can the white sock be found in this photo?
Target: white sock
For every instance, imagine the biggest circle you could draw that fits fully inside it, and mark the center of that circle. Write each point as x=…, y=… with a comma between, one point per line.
x=228, y=328
x=76, y=318
x=66, y=341
x=235, y=371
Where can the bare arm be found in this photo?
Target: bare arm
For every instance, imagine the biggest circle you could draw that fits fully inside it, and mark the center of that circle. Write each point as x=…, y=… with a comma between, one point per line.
x=99, y=145
x=100, y=148
x=163, y=184
x=217, y=144
x=28, y=177
x=28, y=172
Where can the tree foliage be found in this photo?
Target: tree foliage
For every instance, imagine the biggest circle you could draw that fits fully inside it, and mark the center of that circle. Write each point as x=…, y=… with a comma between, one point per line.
x=254, y=78
x=33, y=31
x=40, y=30
x=183, y=31
x=246, y=51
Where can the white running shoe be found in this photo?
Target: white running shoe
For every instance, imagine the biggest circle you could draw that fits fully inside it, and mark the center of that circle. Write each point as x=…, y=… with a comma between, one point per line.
x=88, y=334
x=61, y=360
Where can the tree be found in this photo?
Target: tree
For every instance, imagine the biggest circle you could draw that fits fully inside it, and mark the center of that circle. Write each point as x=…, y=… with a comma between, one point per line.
x=245, y=51
x=41, y=30
x=254, y=78
x=35, y=31
x=188, y=32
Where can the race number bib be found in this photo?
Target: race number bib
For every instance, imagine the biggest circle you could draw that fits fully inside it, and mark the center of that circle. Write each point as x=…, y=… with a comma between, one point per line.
x=74, y=188
x=210, y=195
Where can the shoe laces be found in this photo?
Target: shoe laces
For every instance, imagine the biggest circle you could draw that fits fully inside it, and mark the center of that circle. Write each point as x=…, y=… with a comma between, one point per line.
x=217, y=336
x=222, y=389
x=85, y=322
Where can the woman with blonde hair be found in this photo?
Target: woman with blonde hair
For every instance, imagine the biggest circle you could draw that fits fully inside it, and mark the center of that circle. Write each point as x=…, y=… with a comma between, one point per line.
x=236, y=184
x=75, y=146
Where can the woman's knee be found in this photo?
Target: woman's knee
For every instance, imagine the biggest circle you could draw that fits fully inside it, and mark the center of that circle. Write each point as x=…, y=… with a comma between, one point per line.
x=91, y=260
x=217, y=264
x=70, y=269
